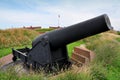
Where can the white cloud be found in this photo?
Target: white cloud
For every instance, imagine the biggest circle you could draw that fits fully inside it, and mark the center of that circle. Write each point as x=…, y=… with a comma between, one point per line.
x=45, y=14
x=25, y=18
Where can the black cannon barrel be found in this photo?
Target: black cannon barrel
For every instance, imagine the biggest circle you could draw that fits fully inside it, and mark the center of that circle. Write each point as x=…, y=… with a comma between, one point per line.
x=64, y=36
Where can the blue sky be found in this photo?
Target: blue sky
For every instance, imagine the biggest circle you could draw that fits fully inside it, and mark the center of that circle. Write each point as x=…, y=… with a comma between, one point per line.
x=19, y=13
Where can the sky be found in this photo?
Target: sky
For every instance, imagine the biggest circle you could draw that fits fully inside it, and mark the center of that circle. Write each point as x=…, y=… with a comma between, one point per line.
x=19, y=13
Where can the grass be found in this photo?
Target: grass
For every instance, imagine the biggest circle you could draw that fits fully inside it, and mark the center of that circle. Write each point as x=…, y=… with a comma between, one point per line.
x=16, y=37
x=71, y=46
x=118, y=39
x=13, y=75
x=11, y=38
x=105, y=66
x=43, y=30
x=6, y=51
x=70, y=75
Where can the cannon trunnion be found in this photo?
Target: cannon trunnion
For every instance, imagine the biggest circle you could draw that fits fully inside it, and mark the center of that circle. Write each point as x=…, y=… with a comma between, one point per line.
x=49, y=50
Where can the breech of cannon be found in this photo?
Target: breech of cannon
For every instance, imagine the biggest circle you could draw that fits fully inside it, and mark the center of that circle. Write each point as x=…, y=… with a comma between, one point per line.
x=50, y=48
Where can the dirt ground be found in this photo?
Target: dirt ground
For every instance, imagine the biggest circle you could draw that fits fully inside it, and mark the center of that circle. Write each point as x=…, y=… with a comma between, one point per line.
x=6, y=59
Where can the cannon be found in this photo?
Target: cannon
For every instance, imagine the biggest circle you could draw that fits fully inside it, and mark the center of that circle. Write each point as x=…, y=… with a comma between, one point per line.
x=49, y=50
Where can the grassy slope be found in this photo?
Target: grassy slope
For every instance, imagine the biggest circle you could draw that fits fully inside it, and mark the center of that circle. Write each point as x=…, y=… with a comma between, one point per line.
x=106, y=65
x=15, y=38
